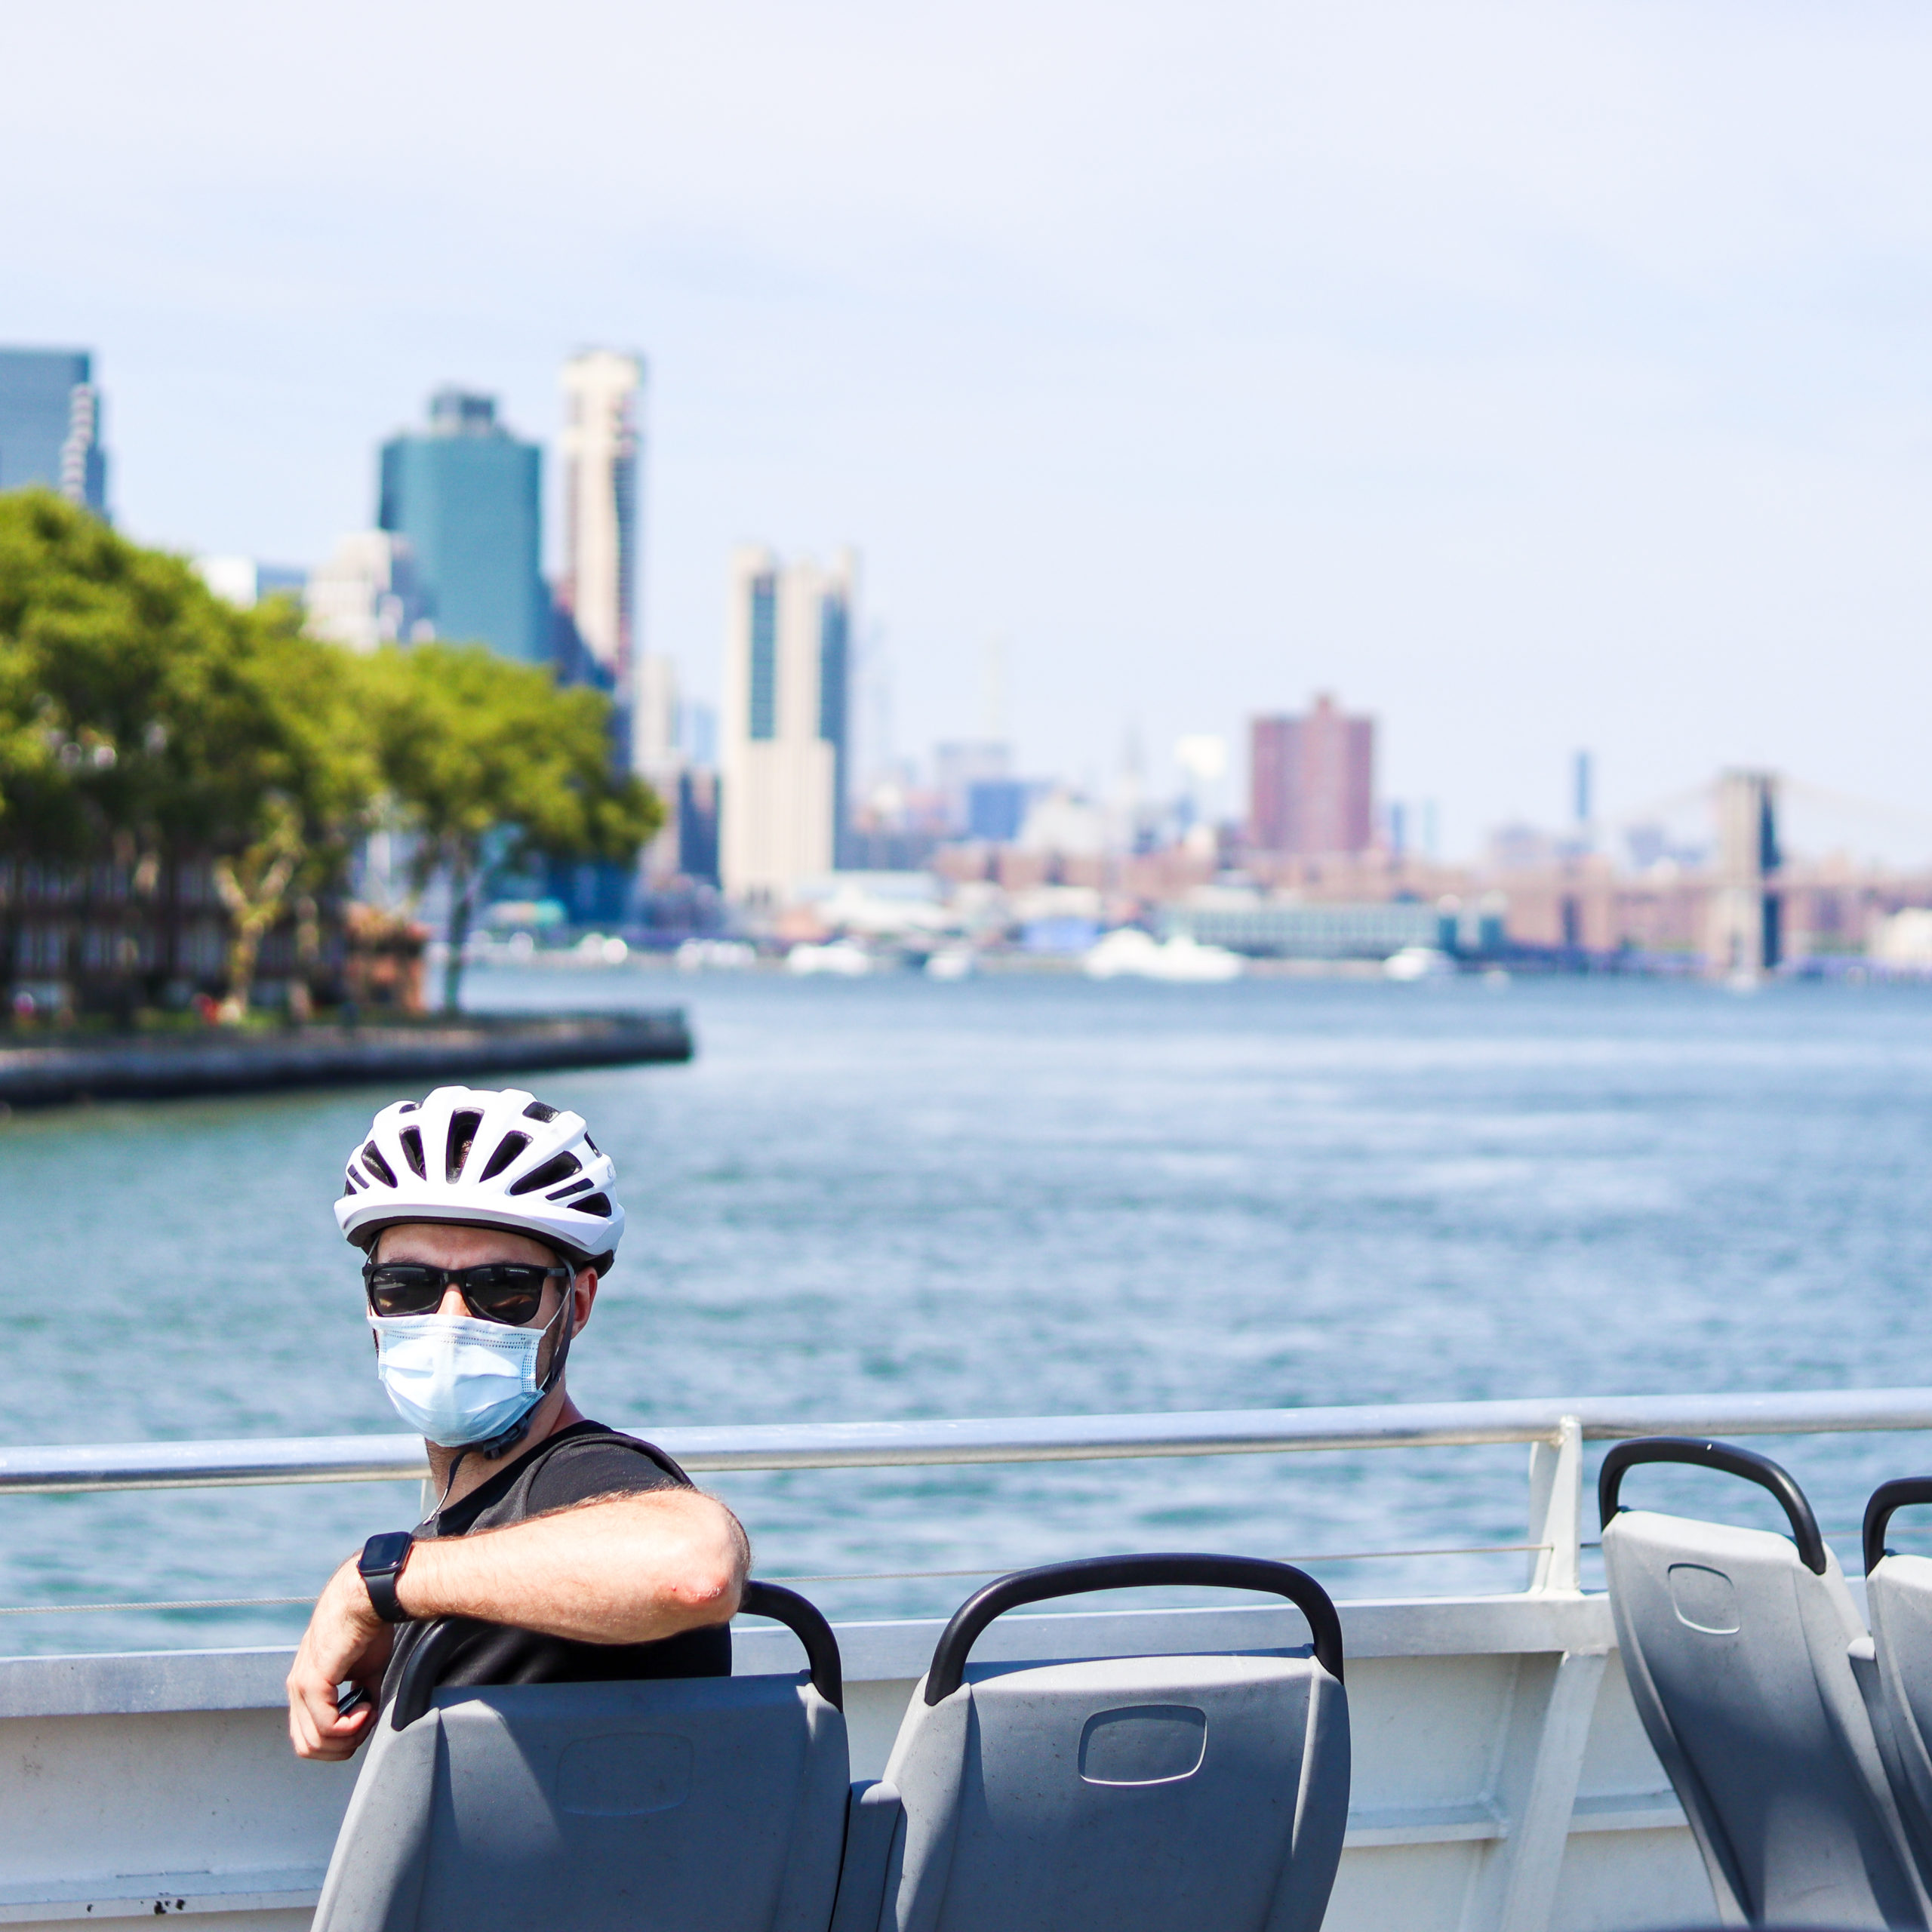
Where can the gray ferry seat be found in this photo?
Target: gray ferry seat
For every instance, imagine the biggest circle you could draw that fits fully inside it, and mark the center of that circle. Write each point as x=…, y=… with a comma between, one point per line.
x=1134, y=1794
x=1898, y=1601
x=1742, y=1650
x=690, y=1805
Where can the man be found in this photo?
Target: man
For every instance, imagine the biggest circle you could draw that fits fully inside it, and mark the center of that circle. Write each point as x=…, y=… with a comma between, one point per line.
x=568, y=1552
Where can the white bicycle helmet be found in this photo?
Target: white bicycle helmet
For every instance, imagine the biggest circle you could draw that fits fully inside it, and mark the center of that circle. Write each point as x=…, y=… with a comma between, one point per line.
x=493, y=1160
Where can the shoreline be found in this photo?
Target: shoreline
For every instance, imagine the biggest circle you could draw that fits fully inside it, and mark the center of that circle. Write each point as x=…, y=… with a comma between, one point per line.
x=135, y=1067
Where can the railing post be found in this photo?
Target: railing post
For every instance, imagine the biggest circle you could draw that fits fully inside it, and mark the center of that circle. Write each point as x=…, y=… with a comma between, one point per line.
x=1556, y=1510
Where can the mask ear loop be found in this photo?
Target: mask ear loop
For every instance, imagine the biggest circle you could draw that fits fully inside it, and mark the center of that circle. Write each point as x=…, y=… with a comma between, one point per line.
x=448, y=1486
x=499, y=1446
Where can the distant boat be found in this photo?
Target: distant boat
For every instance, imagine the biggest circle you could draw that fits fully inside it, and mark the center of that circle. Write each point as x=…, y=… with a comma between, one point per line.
x=841, y=958
x=1131, y=953
x=952, y=962
x=1418, y=962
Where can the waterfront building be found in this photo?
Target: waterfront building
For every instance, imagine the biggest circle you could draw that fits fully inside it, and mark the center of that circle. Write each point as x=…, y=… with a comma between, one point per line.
x=366, y=594
x=244, y=583
x=1312, y=782
x=1322, y=929
x=696, y=824
x=1067, y=824
x=961, y=763
x=465, y=497
x=786, y=721
x=655, y=754
x=996, y=808
x=51, y=425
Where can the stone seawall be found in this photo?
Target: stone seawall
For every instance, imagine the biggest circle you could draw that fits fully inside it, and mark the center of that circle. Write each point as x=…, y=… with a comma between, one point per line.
x=179, y=1066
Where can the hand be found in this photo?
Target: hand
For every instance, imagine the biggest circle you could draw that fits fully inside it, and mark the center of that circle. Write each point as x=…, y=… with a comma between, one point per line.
x=345, y=1641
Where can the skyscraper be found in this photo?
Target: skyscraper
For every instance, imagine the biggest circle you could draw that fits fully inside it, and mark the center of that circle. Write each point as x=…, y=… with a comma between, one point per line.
x=50, y=425
x=365, y=595
x=787, y=650
x=1312, y=782
x=600, y=452
x=465, y=498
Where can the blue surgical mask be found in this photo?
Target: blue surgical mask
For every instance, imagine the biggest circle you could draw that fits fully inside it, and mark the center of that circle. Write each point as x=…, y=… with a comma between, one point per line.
x=455, y=1379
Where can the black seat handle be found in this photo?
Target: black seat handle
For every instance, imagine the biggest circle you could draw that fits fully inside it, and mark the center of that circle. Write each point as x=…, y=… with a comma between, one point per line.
x=1897, y=1494
x=948, y=1670
x=1734, y=1462
x=805, y=1621
x=421, y=1669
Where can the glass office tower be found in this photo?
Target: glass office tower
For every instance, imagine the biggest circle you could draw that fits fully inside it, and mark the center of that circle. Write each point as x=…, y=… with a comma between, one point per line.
x=50, y=425
x=466, y=497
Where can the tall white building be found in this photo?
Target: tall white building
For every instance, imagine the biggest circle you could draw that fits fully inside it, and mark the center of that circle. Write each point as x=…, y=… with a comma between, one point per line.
x=601, y=533
x=785, y=727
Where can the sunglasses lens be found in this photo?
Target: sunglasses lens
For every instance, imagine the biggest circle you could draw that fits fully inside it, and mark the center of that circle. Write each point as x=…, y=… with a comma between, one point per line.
x=508, y=1292
x=399, y=1289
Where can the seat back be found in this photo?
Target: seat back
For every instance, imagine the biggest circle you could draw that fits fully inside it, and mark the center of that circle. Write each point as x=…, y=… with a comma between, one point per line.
x=1898, y=1601
x=1738, y=1645
x=693, y=1805
x=1141, y=1793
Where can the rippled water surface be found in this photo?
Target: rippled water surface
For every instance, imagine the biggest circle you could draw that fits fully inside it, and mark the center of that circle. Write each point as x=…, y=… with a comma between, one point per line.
x=1022, y=1196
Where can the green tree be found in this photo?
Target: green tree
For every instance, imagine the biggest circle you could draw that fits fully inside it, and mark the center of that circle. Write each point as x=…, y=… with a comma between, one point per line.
x=142, y=716
x=491, y=766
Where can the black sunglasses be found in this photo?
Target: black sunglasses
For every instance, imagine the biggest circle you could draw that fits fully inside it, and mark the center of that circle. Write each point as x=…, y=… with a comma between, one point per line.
x=510, y=1292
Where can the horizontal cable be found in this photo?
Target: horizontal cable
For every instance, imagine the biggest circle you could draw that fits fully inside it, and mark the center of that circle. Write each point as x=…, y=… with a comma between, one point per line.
x=1325, y=1556
x=840, y=1577
x=197, y=1603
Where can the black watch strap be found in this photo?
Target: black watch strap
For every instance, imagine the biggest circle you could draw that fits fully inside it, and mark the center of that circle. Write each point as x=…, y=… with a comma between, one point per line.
x=380, y=1564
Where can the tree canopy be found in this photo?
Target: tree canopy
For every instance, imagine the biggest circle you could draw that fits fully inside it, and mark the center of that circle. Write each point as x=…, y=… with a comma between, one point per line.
x=143, y=715
x=491, y=766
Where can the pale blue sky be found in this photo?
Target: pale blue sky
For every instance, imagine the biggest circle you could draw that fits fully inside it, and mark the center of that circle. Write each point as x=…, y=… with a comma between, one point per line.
x=1533, y=375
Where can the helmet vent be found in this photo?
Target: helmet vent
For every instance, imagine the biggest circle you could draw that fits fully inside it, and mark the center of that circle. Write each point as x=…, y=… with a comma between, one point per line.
x=536, y=1110
x=411, y=1138
x=372, y=1159
x=575, y=1187
x=508, y=1149
x=347, y=1187
x=549, y=1174
x=406, y=1106
x=462, y=1137
x=593, y=1204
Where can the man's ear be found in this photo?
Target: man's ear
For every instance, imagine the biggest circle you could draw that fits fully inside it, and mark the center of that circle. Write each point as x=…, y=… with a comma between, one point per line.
x=583, y=1288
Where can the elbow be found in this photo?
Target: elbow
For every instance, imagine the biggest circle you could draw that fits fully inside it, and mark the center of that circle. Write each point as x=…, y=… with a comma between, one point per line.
x=711, y=1585
x=708, y=1592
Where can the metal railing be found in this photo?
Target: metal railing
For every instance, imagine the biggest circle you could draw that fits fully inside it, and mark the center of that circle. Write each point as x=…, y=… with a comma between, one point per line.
x=1556, y=1428
x=65, y=1468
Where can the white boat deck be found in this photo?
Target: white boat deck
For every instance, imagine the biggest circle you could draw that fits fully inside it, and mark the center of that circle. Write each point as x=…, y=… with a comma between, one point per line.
x=1502, y=1781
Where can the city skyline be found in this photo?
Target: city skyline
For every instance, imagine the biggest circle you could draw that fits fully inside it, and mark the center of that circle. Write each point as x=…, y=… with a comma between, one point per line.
x=1537, y=382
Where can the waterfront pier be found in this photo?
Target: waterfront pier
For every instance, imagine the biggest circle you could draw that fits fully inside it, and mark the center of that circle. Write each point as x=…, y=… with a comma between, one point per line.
x=176, y=1066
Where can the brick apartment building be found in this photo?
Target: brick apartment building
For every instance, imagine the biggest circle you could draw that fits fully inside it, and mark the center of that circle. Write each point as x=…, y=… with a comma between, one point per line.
x=1312, y=782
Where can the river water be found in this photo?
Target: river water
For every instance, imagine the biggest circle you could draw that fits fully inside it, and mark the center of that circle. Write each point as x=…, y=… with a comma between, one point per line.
x=1017, y=1196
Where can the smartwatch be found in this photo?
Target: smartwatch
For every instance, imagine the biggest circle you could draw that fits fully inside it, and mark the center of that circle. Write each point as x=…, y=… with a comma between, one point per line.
x=380, y=1564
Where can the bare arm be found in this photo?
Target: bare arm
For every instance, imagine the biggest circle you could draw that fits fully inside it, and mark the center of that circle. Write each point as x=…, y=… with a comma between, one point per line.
x=628, y=1569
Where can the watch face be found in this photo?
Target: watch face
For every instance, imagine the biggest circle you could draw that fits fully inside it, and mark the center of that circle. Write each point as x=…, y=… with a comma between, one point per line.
x=385, y=1552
